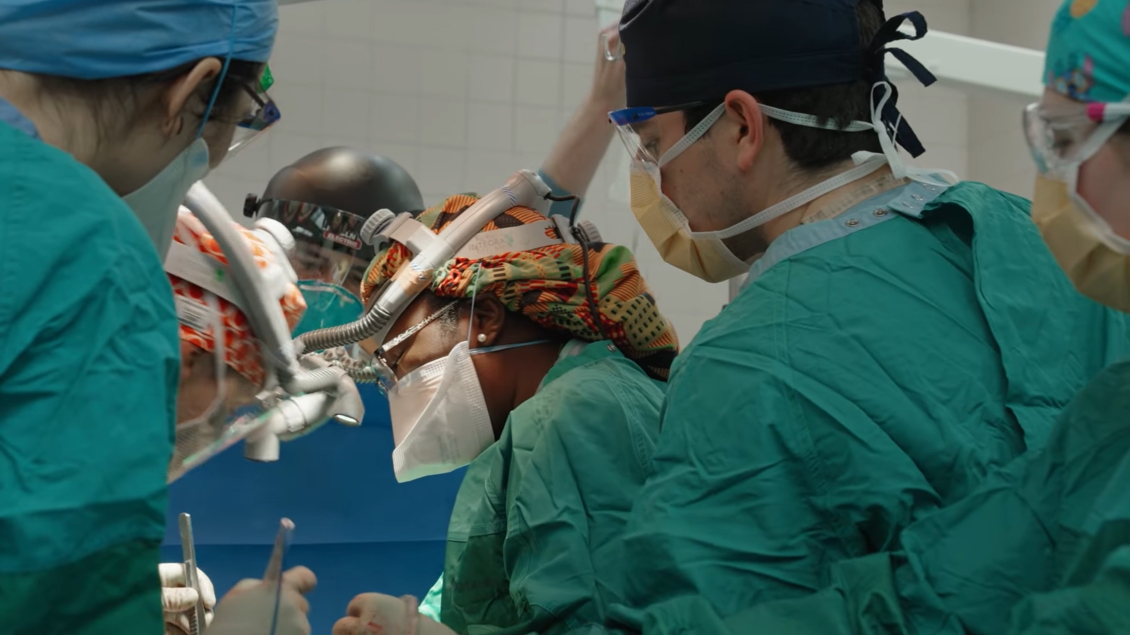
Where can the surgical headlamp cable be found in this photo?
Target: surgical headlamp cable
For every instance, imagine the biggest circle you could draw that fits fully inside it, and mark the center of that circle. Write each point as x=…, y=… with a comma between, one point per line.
x=582, y=238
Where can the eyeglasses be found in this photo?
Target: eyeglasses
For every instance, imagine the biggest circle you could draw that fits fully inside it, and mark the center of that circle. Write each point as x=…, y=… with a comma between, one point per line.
x=386, y=375
x=644, y=147
x=1056, y=137
x=265, y=114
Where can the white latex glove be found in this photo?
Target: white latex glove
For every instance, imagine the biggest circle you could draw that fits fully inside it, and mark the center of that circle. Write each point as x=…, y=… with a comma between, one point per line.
x=177, y=599
x=377, y=614
x=248, y=609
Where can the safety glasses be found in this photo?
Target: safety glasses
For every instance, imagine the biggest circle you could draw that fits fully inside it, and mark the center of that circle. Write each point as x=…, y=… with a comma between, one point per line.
x=386, y=375
x=640, y=138
x=264, y=114
x=1057, y=138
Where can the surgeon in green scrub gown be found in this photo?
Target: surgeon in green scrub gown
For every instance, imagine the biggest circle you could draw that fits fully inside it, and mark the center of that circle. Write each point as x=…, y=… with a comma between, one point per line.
x=1042, y=546
x=89, y=349
x=900, y=336
x=554, y=409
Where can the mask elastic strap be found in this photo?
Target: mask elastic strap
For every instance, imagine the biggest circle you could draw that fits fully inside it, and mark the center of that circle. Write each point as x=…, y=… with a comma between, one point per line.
x=784, y=207
x=890, y=150
x=693, y=135
x=505, y=347
x=220, y=79
x=1094, y=143
x=812, y=121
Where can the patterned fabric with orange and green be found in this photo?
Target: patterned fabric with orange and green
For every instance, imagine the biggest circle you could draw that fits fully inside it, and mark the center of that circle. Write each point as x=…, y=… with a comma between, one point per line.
x=546, y=285
x=241, y=347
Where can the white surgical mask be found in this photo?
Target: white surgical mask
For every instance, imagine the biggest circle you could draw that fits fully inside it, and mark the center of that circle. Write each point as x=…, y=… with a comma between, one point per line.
x=440, y=421
x=155, y=204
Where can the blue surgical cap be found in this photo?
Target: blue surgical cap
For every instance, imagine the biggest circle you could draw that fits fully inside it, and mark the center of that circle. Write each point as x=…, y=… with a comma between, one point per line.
x=1089, y=51
x=96, y=39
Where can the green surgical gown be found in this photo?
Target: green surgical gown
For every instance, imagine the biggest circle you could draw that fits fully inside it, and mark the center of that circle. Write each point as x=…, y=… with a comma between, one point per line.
x=534, y=539
x=1044, y=544
x=878, y=367
x=89, y=362
x=1049, y=530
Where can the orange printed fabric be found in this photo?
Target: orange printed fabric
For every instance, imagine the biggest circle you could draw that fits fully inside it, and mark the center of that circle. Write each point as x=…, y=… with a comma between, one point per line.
x=547, y=286
x=241, y=348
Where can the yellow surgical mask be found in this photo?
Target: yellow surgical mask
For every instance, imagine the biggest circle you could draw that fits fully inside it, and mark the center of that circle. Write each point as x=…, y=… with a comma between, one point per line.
x=703, y=256
x=1095, y=259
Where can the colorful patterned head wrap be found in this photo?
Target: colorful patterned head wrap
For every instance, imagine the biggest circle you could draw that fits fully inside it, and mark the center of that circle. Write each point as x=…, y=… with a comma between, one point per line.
x=1089, y=51
x=545, y=285
x=241, y=349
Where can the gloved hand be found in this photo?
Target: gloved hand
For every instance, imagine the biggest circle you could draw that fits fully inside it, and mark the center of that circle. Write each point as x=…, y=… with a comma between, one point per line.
x=377, y=614
x=248, y=609
x=177, y=599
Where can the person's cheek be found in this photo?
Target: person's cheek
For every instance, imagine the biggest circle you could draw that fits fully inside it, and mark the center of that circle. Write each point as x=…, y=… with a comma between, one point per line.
x=1104, y=183
x=218, y=136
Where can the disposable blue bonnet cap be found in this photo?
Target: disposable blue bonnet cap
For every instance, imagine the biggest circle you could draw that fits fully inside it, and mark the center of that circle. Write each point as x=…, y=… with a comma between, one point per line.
x=97, y=39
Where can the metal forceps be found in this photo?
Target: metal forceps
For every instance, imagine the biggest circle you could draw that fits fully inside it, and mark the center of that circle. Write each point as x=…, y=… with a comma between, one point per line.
x=274, y=572
x=196, y=621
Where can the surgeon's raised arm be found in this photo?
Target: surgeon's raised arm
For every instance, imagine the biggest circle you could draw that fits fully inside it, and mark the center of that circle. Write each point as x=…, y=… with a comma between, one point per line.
x=573, y=161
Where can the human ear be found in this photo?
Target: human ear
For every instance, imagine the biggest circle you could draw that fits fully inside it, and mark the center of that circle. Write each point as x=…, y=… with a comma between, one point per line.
x=488, y=320
x=178, y=96
x=744, y=110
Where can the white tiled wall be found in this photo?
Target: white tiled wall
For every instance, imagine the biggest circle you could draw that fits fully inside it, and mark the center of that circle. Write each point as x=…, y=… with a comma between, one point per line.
x=464, y=92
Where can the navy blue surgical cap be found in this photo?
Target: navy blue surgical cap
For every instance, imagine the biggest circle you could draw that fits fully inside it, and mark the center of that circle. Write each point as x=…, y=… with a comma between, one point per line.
x=97, y=39
x=687, y=51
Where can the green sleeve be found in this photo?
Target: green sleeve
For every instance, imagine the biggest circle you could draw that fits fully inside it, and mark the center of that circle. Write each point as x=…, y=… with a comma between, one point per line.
x=1043, y=528
x=89, y=363
x=861, y=599
x=433, y=601
x=1097, y=607
x=764, y=477
x=571, y=493
x=115, y=591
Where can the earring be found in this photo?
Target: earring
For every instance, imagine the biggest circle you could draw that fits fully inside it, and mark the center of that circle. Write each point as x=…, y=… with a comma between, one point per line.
x=482, y=338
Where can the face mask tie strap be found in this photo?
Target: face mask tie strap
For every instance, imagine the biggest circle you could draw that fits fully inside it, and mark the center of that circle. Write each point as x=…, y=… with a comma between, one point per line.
x=885, y=111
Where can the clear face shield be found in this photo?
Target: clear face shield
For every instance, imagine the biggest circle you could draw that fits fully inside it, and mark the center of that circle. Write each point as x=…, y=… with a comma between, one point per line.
x=1062, y=138
x=237, y=301
x=329, y=258
x=222, y=405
